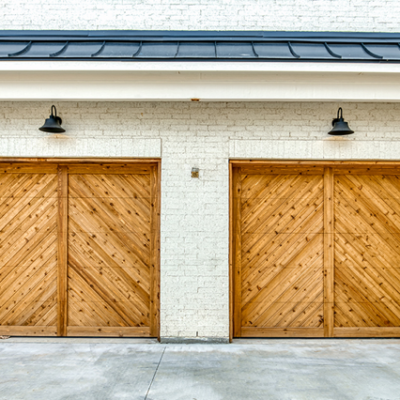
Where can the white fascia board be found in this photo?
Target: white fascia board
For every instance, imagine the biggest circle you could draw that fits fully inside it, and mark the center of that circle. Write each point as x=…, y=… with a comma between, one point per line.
x=204, y=81
x=129, y=66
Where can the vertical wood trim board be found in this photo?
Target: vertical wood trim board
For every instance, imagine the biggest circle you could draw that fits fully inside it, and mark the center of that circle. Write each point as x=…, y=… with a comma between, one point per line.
x=62, y=277
x=155, y=252
x=231, y=291
x=328, y=253
x=237, y=257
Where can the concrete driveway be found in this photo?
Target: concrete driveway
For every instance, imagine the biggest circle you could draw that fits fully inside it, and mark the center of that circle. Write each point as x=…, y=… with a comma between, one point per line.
x=132, y=369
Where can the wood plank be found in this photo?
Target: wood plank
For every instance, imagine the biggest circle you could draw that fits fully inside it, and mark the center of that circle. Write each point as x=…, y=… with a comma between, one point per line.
x=388, y=171
x=109, y=168
x=329, y=256
x=84, y=160
x=312, y=164
x=27, y=168
x=62, y=278
x=231, y=247
x=237, y=251
x=283, y=170
x=104, y=331
x=282, y=332
x=28, y=330
x=367, y=332
x=155, y=186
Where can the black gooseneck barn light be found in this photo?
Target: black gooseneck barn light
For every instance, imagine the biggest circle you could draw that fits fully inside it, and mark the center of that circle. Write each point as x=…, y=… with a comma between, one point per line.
x=53, y=123
x=340, y=126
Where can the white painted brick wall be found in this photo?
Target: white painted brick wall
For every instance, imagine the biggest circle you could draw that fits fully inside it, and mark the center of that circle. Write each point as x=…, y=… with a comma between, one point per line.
x=300, y=15
x=195, y=212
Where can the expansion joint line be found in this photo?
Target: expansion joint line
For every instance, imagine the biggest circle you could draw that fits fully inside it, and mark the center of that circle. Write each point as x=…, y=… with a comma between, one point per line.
x=155, y=373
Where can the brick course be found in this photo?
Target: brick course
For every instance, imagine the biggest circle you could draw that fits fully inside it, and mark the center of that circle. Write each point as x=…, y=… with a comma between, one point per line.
x=282, y=15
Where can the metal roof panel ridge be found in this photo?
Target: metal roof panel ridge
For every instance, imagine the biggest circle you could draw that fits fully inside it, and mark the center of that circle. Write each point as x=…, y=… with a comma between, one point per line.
x=257, y=46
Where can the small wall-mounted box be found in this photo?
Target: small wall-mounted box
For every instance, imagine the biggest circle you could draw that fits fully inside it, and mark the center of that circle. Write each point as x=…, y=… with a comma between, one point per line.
x=195, y=172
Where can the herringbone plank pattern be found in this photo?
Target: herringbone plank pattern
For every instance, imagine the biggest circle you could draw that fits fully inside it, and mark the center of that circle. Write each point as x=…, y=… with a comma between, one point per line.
x=282, y=251
x=367, y=251
x=109, y=250
x=28, y=249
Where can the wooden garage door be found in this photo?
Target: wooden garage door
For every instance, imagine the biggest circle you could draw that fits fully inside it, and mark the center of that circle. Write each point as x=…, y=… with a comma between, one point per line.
x=316, y=250
x=79, y=249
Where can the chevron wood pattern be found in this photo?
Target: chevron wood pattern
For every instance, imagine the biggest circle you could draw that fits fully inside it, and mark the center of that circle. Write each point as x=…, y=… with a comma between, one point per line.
x=79, y=249
x=109, y=275
x=367, y=251
x=281, y=227
x=316, y=249
x=28, y=253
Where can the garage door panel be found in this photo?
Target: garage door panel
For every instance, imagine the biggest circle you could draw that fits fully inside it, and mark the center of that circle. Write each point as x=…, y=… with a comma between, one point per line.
x=46, y=312
x=37, y=305
x=16, y=246
x=353, y=289
x=94, y=216
x=27, y=293
x=28, y=251
x=91, y=260
x=259, y=186
x=380, y=213
x=33, y=259
x=84, y=313
x=22, y=214
x=269, y=211
x=367, y=274
x=126, y=186
x=378, y=250
x=101, y=290
x=368, y=261
x=281, y=270
x=353, y=273
x=109, y=254
x=123, y=201
x=311, y=316
x=271, y=187
x=291, y=310
x=291, y=290
x=283, y=252
x=291, y=217
x=107, y=244
x=124, y=286
x=110, y=250
x=94, y=289
x=84, y=220
x=16, y=187
x=111, y=184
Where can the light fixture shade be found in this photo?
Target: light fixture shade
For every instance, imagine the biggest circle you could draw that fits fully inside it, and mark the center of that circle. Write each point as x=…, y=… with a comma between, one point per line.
x=53, y=123
x=340, y=126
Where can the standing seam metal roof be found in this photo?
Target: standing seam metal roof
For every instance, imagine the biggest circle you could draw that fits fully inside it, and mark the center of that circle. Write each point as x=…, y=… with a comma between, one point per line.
x=199, y=46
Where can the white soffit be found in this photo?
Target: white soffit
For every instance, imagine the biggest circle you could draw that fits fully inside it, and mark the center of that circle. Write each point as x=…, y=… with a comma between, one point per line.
x=203, y=81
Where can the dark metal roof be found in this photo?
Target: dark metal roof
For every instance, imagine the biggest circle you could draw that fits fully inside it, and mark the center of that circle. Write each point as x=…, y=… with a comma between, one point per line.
x=199, y=46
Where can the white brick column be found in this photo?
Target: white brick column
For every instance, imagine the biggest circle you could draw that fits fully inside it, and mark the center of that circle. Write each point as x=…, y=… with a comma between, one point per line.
x=194, y=238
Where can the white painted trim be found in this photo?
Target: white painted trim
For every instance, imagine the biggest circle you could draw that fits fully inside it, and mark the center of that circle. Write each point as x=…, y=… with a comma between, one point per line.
x=137, y=81
x=143, y=66
x=330, y=148
x=64, y=146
